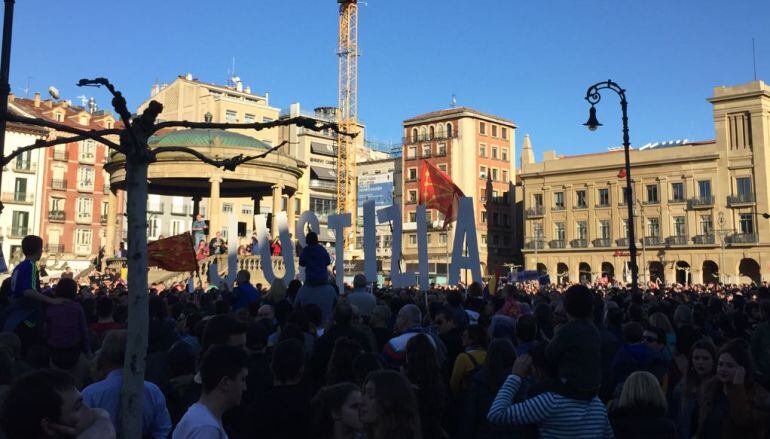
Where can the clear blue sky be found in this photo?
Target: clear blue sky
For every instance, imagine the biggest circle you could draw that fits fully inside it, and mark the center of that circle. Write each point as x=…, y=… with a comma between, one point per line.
x=529, y=61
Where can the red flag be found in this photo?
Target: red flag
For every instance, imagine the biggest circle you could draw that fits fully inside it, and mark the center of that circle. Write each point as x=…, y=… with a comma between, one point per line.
x=175, y=253
x=438, y=192
x=622, y=173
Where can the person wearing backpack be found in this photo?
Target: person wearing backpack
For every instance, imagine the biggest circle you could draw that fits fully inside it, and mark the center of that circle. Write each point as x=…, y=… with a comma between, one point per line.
x=470, y=361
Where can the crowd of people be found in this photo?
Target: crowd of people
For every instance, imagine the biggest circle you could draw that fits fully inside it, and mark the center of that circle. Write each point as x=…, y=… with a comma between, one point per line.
x=305, y=360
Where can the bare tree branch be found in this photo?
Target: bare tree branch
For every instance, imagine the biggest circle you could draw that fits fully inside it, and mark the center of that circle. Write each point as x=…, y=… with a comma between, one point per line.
x=300, y=121
x=36, y=121
x=229, y=163
x=118, y=103
x=40, y=143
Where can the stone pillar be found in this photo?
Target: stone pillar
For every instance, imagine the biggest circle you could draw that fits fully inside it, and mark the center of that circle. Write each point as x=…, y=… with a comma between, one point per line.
x=291, y=213
x=277, y=198
x=215, y=206
x=112, y=219
x=257, y=201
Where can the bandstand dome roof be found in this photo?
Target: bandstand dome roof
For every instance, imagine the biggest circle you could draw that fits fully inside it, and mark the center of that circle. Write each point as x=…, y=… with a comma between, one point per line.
x=201, y=137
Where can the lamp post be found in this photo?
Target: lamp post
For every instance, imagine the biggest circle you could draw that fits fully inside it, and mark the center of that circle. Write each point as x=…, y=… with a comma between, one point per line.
x=593, y=97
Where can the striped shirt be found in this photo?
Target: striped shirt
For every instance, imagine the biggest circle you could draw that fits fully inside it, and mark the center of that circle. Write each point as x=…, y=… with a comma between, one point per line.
x=556, y=416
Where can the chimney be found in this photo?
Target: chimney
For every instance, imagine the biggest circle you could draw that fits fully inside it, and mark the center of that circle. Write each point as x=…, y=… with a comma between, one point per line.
x=239, y=86
x=65, y=104
x=188, y=77
x=155, y=89
x=37, y=99
x=247, y=89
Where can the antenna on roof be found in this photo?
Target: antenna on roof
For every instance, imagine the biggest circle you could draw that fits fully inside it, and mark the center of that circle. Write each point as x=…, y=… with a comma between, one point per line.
x=83, y=100
x=754, y=56
x=454, y=100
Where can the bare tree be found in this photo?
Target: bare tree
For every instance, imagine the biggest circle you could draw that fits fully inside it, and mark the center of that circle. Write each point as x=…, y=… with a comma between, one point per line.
x=133, y=144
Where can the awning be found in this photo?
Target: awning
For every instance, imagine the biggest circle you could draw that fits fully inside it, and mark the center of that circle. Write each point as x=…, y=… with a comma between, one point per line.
x=324, y=173
x=322, y=148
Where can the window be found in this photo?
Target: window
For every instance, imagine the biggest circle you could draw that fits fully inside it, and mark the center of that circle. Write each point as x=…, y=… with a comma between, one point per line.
x=23, y=161
x=441, y=149
x=442, y=238
x=505, y=176
x=538, y=229
x=494, y=174
x=506, y=220
x=494, y=130
x=228, y=208
x=652, y=193
x=624, y=191
x=494, y=152
x=412, y=217
x=56, y=204
x=20, y=190
x=483, y=172
x=483, y=195
x=20, y=223
x=504, y=132
x=677, y=192
x=442, y=167
x=323, y=207
x=483, y=216
x=706, y=226
x=483, y=239
x=604, y=229
x=559, y=234
x=231, y=116
x=482, y=128
x=558, y=200
x=449, y=130
x=85, y=179
x=625, y=228
x=604, y=197
x=679, y=229
x=743, y=186
x=432, y=132
x=249, y=118
x=412, y=174
x=537, y=200
x=482, y=150
x=412, y=196
x=582, y=230
x=495, y=219
x=426, y=150
x=84, y=208
x=87, y=151
x=504, y=154
x=412, y=240
x=414, y=134
x=177, y=227
x=83, y=239
x=106, y=209
x=246, y=209
x=704, y=189
x=153, y=227
x=747, y=223
x=411, y=152
x=653, y=227
x=580, y=199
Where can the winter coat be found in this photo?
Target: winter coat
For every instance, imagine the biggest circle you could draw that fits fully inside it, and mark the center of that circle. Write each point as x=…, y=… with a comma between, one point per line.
x=747, y=414
x=642, y=423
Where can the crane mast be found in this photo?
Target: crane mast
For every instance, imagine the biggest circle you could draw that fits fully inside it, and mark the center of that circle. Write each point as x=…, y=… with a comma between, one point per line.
x=347, y=114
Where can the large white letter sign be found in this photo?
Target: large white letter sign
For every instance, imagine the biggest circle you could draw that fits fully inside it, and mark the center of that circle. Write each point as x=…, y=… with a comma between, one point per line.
x=287, y=247
x=465, y=232
x=422, y=248
x=398, y=279
x=232, y=257
x=260, y=222
x=370, y=243
x=338, y=224
x=307, y=218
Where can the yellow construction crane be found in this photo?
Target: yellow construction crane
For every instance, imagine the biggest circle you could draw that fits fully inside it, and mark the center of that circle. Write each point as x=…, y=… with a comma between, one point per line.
x=347, y=114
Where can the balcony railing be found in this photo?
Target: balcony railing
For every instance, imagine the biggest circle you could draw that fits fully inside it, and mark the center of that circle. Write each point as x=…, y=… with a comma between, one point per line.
x=677, y=201
x=440, y=153
x=25, y=166
x=741, y=199
x=677, y=240
x=56, y=215
x=602, y=242
x=323, y=184
x=743, y=238
x=18, y=197
x=532, y=244
x=54, y=248
x=622, y=242
x=103, y=219
x=154, y=207
x=558, y=243
x=58, y=184
x=18, y=231
x=84, y=218
x=427, y=138
x=650, y=202
x=579, y=243
x=703, y=239
x=652, y=240
x=60, y=155
x=426, y=154
x=536, y=211
x=557, y=208
x=701, y=202
x=180, y=209
x=581, y=206
x=603, y=205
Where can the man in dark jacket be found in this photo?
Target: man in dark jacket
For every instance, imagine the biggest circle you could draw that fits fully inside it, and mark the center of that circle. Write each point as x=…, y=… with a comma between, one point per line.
x=315, y=259
x=452, y=338
x=635, y=355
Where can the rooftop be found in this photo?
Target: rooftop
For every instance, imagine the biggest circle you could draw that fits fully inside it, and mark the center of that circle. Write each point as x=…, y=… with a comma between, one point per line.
x=457, y=112
x=200, y=137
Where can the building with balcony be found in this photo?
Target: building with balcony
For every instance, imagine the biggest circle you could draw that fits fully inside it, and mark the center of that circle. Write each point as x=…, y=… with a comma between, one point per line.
x=698, y=205
x=477, y=151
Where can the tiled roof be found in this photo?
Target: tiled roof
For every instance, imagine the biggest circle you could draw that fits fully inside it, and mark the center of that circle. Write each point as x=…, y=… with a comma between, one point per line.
x=46, y=111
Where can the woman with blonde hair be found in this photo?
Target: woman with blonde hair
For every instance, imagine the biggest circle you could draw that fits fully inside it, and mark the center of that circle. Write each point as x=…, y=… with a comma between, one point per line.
x=277, y=291
x=641, y=410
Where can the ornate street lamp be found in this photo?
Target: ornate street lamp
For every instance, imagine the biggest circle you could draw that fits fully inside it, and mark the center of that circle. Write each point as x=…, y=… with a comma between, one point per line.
x=593, y=97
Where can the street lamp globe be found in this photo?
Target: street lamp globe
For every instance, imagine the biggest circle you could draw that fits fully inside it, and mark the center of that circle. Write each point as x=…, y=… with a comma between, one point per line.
x=593, y=123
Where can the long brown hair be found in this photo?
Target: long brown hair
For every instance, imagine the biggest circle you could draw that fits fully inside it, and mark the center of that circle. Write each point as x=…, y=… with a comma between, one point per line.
x=399, y=417
x=693, y=382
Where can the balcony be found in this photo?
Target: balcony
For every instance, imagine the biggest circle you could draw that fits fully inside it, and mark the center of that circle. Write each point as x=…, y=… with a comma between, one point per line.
x=57, y=216
x=704, y=202
x=557, y=243
x=103, y=219
x=535, y=244
x=426, y=154
x=704, y=239
x=84, y=218
x=535, y=212
x=650, y=202
x=622, y=242
x=411, y=157
x=59, y=184
x=85, y=186
x=18, y=231
x=602, y=242
x=557, y=208
x=323, y=185
x=54, y=249
x=17, y=198
x=427, y=138
x=677, y=240
x=24, y=167
x=578, y=243
x=440, y=153
x=106, y=189
x=61, y=155
x=154, y=207
x=87, y=158
x=743, y=238
x=741, y=200
x=603, y=205
x=581, y=206
x=180, y=209
x=652, y=241
x=677, y=201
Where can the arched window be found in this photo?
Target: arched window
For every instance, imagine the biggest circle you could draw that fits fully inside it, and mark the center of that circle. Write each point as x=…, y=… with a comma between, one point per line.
x=414, y=134
x=423, y=133
x=449, y=130
x=432, y=132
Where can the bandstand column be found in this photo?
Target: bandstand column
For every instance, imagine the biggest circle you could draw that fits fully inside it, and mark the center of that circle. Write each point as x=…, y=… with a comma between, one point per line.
x=196, y=206
x=215, y=207
x=277, y=197
x=112, y=219
x=290, y=212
